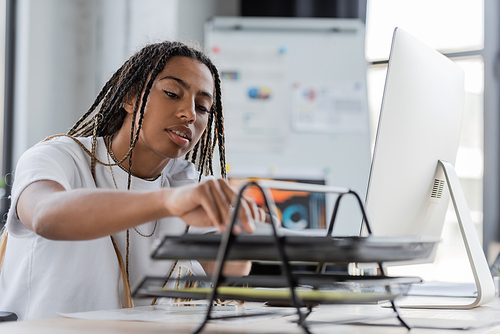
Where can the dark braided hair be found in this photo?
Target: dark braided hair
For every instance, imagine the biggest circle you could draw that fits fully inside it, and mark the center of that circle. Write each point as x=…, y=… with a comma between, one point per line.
x=135, y=78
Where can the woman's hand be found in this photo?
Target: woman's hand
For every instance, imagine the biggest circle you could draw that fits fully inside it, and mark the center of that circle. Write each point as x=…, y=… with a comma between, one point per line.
x=209, y=204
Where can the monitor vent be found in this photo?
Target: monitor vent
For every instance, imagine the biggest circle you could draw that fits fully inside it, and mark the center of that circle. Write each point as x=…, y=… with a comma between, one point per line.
x=437, y=188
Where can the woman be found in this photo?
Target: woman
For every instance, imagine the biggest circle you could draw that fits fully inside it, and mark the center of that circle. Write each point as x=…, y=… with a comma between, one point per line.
x=112, y=172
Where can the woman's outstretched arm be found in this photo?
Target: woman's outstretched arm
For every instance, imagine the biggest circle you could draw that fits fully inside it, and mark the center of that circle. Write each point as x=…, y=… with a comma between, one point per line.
x=49, y=210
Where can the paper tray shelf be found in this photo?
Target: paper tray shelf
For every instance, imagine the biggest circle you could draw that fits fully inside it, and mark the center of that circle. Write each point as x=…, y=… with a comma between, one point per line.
x=289, y=287
x=324, y=288
x=277, y=295
x=297, y=248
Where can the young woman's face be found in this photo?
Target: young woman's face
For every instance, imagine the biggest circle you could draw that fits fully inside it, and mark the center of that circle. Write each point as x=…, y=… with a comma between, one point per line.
x=178, y=107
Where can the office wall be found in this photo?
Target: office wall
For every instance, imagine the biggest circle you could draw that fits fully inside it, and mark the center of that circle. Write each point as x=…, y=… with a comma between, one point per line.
x=124, y=27
x=66, y=51
x=192, y=15
x=55, y=48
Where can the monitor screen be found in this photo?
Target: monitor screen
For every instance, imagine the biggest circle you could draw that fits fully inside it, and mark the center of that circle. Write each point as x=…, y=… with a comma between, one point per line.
x=419, y=124
x=296, y=210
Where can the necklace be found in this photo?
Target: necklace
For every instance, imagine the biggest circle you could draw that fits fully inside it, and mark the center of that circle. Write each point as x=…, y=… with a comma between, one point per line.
x=110, y=153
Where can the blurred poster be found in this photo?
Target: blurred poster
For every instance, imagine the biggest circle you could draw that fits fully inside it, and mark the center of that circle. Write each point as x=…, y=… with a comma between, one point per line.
x=331, y=108
x=297, y=210
x=254, y=81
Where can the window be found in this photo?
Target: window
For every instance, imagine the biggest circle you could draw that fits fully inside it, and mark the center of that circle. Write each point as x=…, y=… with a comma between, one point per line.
x=438, y=23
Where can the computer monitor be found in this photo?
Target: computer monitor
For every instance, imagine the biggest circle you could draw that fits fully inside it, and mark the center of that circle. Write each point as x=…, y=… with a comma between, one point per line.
x=420, y=122
x=412, y=174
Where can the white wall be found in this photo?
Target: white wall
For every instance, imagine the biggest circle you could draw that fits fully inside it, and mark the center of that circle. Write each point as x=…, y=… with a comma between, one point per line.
x=125, y=26
x=67, y=50
x=192, y=15
x=55, y=50
x=152, y=21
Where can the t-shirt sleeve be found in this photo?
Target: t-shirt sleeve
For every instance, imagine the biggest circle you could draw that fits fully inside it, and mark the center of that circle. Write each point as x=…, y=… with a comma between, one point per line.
x=42, y=162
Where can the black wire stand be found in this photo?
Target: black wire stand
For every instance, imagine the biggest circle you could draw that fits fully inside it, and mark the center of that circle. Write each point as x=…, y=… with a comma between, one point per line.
x=288, y=279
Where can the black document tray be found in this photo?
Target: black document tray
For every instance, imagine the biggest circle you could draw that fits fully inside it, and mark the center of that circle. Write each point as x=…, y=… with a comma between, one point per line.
x=297, y=289
x=274, y=295
x=329, y=288
x=298, y=248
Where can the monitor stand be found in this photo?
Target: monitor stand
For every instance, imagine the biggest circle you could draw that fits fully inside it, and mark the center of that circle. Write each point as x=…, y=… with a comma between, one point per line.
x=482, y=276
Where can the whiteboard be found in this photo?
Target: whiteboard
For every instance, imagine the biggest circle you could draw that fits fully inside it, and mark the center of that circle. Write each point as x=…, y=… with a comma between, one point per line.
x=295, y=102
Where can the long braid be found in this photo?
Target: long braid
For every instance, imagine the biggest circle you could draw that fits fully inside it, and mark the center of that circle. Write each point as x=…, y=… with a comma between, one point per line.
x=208, y=146
x=204, y=149
x=202, y=154
x=219, y=130
x=94, y=143
x=195, y=154
x=210, y=167
x=187, y=156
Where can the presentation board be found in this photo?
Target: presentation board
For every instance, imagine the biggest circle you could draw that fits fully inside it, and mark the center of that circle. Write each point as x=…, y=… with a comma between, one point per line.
x=295, y=102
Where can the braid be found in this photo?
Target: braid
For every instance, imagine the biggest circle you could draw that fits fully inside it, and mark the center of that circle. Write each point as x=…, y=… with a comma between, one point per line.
x=195, y=152
x=187, y=156
x=210, y=167
x=219, y=130
x=94, y=142
x=203, y=152
x=208, y=146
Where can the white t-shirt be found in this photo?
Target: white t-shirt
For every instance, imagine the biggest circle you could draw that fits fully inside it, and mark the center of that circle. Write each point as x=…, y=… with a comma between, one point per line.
x=41, y=277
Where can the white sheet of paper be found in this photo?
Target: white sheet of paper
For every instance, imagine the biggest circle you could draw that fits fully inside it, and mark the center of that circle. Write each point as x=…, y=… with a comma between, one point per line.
x=179, y=314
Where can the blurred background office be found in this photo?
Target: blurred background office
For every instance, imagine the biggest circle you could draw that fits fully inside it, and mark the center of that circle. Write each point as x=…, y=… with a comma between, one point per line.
x=55, y=55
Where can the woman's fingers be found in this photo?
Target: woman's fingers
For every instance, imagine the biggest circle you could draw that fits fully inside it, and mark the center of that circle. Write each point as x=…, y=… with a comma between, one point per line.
x=258, y=213
x=262, y=215
x=222, y=203
x=246, y=212
x=207, y=198
x=215, y=198
x=245, y=216
x=254, y=209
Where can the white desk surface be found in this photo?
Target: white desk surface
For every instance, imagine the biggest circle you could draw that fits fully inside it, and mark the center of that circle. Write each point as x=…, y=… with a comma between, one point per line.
x=487, y=314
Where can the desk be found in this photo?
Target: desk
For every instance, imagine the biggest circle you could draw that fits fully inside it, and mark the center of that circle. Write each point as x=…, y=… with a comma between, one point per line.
x=484, y=314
